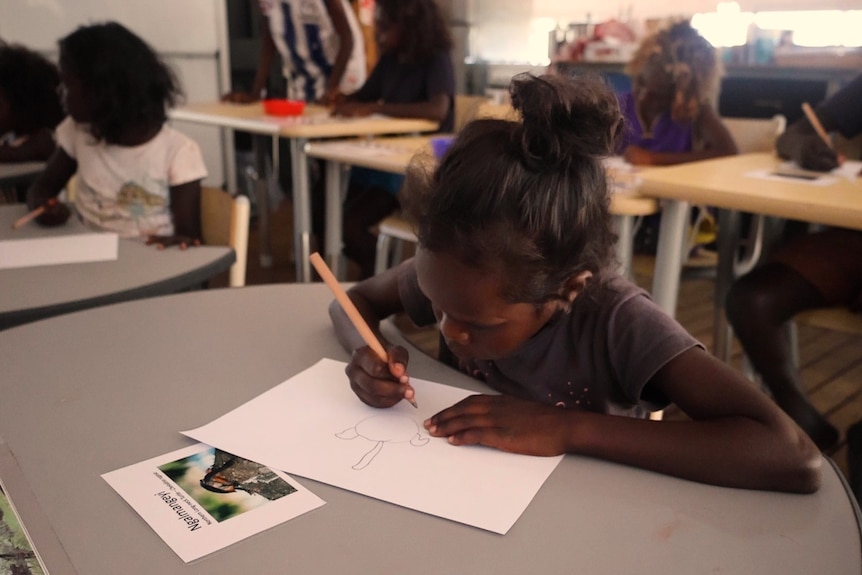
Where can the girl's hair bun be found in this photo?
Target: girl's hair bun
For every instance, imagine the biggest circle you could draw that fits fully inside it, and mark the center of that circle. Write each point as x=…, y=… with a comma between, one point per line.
x=564, y=118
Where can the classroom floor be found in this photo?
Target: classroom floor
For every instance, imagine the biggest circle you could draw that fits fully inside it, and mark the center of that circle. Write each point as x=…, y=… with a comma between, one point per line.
x=831, y=362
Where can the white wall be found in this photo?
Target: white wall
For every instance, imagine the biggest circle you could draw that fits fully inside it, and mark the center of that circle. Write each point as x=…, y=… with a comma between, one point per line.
x=191, y=36
x=504, y=30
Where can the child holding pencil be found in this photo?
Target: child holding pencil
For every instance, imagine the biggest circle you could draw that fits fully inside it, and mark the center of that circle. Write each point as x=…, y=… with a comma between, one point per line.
x=514, y=265
x=821, y=269
x=136, y=175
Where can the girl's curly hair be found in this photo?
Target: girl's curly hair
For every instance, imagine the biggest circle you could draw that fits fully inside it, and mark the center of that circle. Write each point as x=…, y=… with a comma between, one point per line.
x=687, y=59
x=528, y=196
x=128, y=83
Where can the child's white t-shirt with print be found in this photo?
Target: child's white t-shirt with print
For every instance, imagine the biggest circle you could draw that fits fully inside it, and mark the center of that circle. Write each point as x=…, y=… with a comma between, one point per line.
x=127, y=189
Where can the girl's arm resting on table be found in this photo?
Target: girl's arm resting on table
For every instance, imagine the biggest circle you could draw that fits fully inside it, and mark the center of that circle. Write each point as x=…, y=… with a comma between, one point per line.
x=714, y=138
x=434, y=109
x=186, y=212
x=737, y=436
x=60, y=168
x=375, y=382
x=37, y=147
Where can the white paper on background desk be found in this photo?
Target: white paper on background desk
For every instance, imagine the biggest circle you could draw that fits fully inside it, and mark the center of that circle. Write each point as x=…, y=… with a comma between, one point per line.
x=166, y=492
x=33, y=245
x=313, y=425
x=785, y=171
x=366, y=149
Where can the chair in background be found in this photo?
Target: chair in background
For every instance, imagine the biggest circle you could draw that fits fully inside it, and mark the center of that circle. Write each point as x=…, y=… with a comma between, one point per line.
x=225, y=222
x=753, y=135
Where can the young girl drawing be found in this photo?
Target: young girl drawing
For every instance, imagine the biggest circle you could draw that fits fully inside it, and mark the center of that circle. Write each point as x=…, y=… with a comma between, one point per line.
x=135, y=175
x=29, y=106
x=514, y=265
x=670, y=112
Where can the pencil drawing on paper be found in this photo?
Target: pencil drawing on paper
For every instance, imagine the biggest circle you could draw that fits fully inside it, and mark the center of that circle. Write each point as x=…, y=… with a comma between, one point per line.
x=380, y=429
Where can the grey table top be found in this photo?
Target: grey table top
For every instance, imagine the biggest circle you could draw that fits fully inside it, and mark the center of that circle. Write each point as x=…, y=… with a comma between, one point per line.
x=19, y=171
x=139, y=271
x=120, y=382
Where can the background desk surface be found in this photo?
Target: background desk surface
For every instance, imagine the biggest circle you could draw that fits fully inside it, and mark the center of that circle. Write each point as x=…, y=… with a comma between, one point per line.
x=140, y=271
x=120, y=386
x=723, y=183
x=314, y=123
x=394, y=154
x=19, y=171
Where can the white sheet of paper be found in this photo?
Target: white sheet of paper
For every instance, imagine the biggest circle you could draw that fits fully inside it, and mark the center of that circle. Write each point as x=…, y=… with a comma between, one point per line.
x=33, y=245
x=166, y=493
x=791, y=172
x=803, y=178
x=314, y=426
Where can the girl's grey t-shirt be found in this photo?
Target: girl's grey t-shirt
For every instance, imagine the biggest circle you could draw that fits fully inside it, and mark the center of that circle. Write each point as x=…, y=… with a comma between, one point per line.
x=599, y=356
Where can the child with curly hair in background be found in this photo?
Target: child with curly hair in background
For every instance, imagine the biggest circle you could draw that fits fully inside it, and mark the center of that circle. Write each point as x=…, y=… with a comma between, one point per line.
x=514, y=265
x=670, y=112
x=136, y=175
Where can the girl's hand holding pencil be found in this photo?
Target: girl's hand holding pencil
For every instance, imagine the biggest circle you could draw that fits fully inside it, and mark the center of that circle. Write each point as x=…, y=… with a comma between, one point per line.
x=380, y=383
x=50, y=214
x=377, y=376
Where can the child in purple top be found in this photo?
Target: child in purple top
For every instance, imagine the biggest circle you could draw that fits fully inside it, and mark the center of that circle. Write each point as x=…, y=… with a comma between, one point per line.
x=670, y=115
x=515, y=248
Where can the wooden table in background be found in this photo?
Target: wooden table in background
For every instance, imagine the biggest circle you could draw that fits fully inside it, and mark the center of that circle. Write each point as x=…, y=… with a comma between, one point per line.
x=315, y=123
x=726, y=183
x=393, y=155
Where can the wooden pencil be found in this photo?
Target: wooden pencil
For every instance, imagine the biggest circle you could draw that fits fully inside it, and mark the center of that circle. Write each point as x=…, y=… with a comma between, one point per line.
x=28, y=217
x=815, y=123
x=350, y=309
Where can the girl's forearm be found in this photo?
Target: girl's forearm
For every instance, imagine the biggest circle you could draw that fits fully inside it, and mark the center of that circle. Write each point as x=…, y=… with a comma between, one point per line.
x=733, y=452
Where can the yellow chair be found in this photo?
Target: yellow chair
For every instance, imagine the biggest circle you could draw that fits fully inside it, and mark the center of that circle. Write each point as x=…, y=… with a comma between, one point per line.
x=225, y=222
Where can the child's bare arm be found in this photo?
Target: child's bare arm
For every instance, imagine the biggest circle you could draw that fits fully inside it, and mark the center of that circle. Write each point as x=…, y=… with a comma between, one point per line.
x=60, y=168
x=186, y=212
x=738, y=437
x=375, y=382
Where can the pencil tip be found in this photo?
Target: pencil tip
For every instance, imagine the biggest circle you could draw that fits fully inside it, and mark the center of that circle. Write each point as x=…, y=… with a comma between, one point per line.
x=413, y=403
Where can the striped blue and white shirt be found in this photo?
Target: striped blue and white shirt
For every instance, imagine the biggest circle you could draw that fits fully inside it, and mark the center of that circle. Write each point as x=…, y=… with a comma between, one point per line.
x=308, y=43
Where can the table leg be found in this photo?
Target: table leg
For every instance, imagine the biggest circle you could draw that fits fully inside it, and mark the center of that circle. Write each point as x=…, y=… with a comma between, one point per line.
x=333, y=216
x=668, y=263
x=301, y=209
x=728, y=242
x=625, y=243
x=261, y=187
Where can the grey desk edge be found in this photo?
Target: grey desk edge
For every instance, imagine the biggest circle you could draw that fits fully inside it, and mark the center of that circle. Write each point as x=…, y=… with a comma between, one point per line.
x=162, y=287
